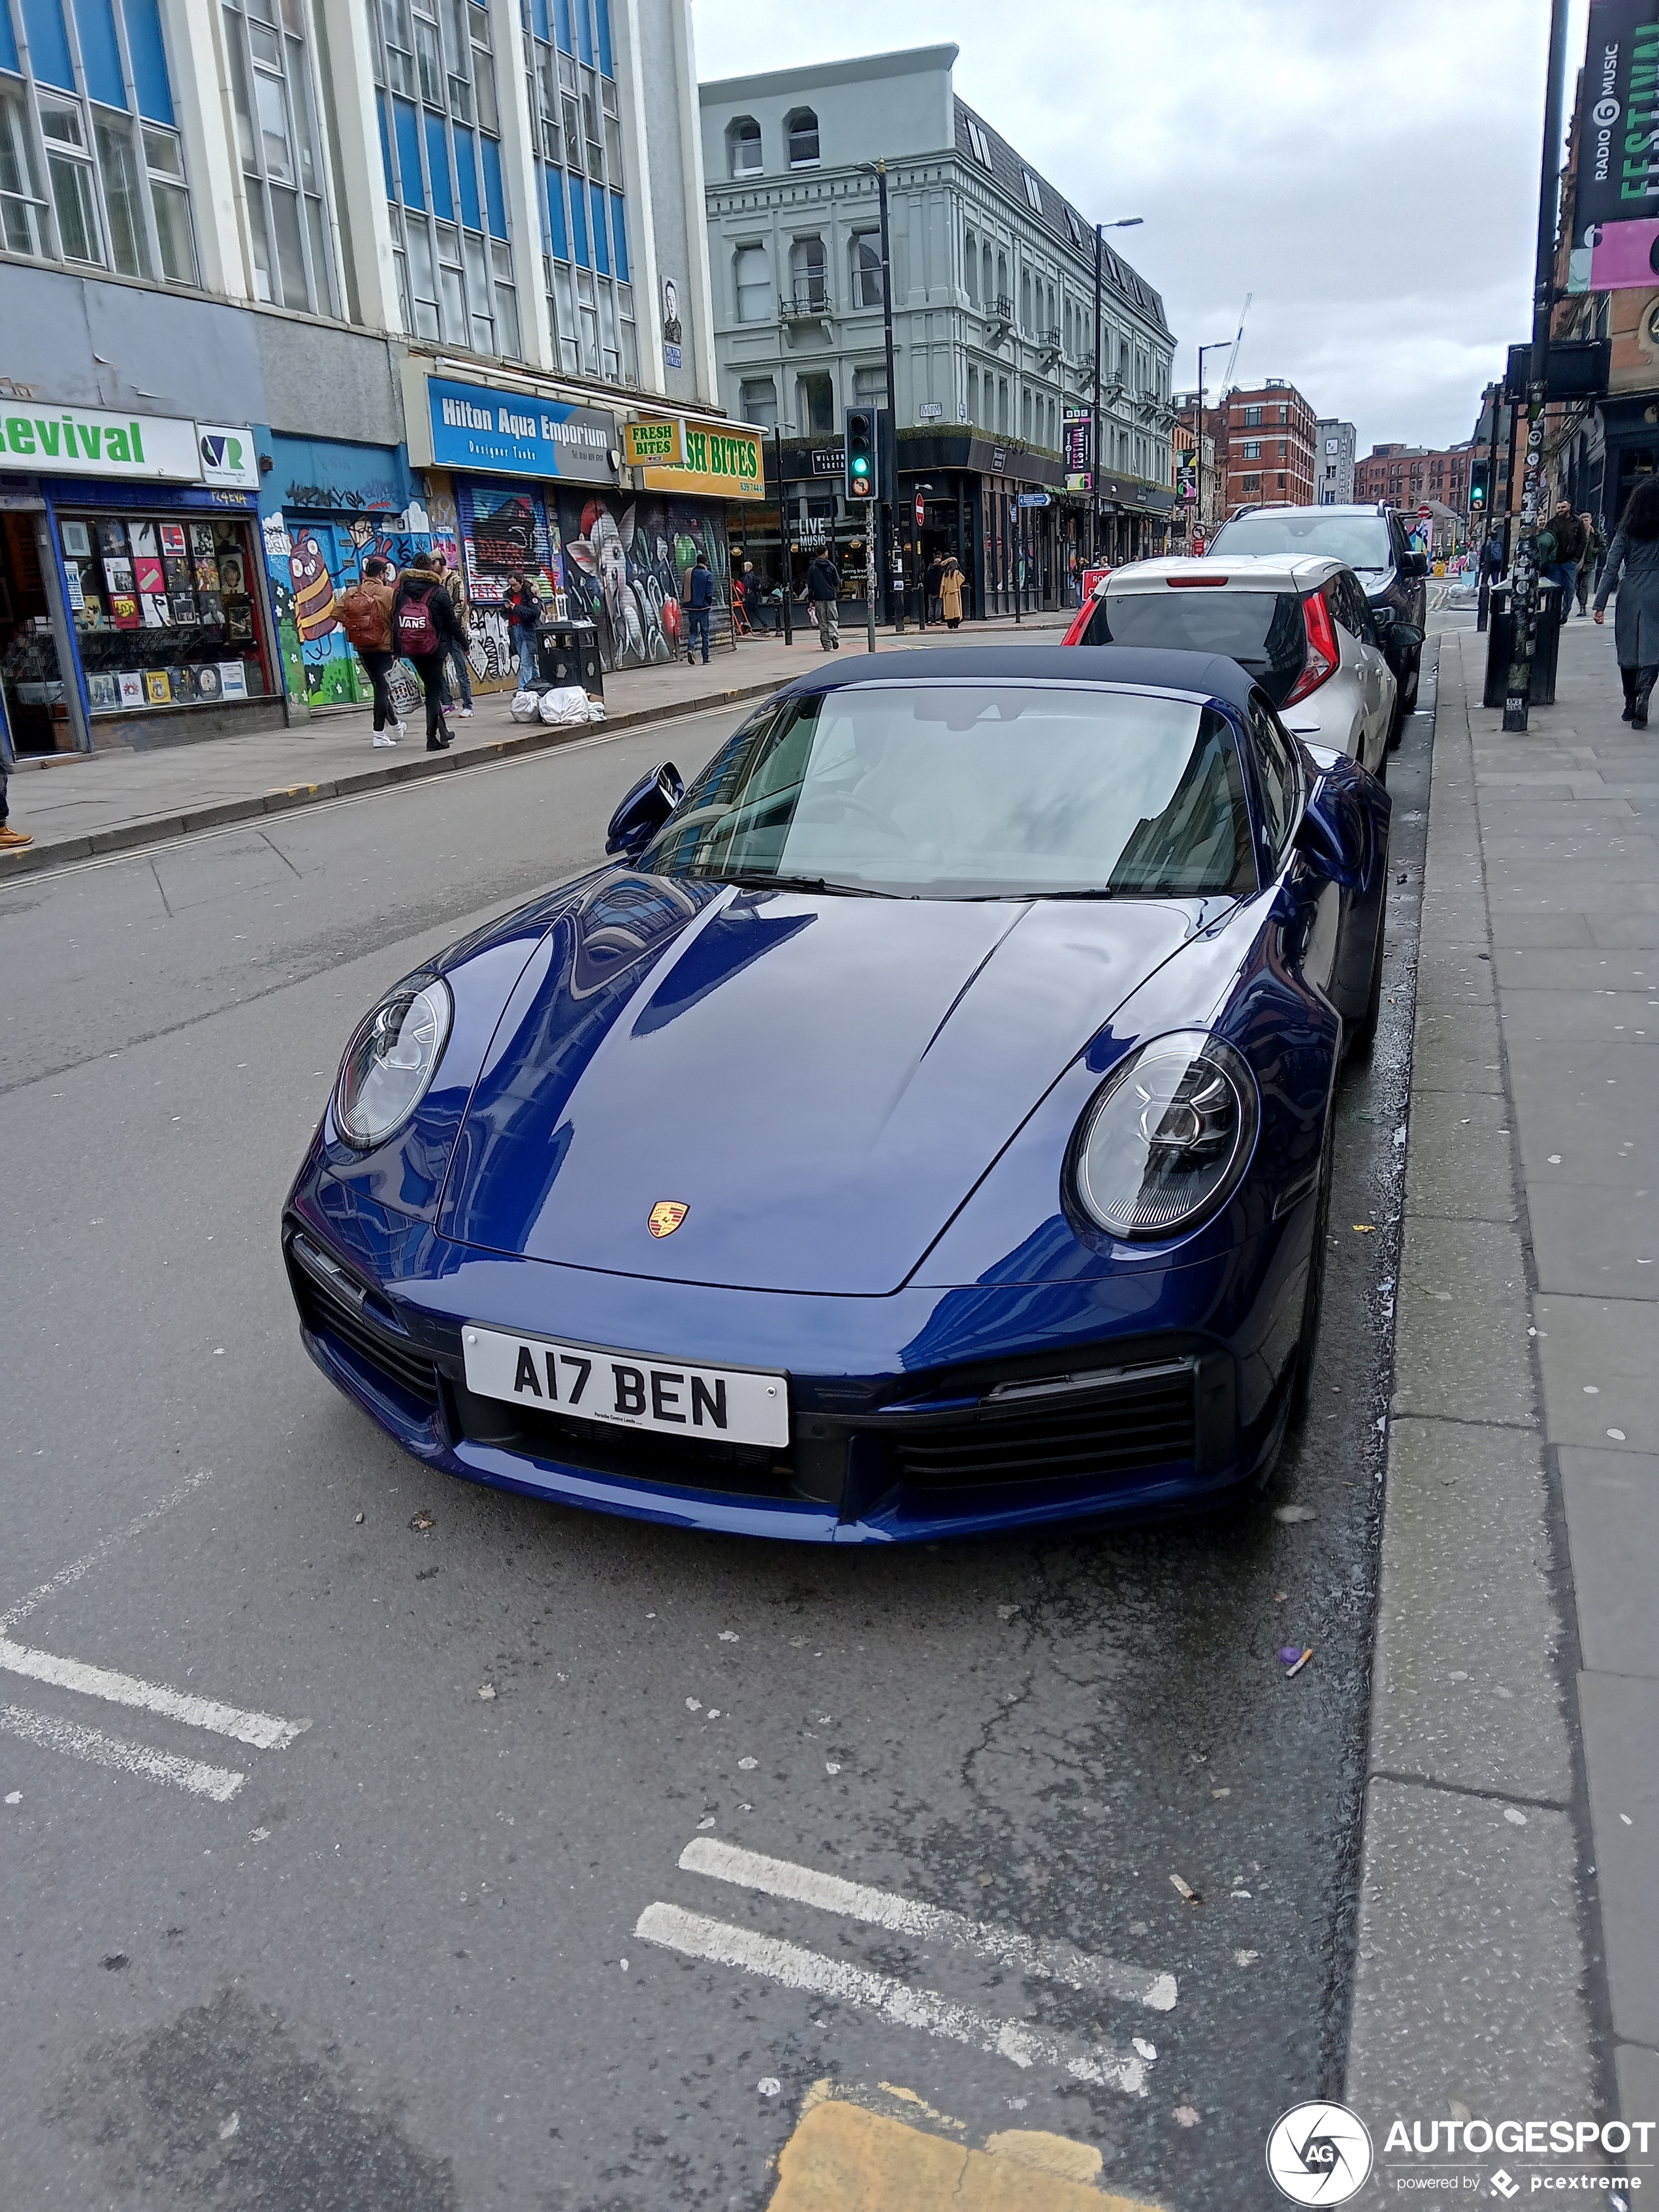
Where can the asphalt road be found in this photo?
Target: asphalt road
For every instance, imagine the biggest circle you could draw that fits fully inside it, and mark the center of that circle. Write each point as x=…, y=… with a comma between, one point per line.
x=397, y=1970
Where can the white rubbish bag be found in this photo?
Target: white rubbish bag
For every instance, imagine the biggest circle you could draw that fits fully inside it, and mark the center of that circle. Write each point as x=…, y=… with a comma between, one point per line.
x=523, y=705
x=565, y=704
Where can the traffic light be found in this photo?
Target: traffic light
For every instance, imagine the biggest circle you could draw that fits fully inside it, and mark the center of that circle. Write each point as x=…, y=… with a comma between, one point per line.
x=862, y=476
x=1477, y=487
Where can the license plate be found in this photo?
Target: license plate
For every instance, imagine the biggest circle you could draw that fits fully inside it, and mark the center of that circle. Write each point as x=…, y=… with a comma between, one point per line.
x=729, y=1405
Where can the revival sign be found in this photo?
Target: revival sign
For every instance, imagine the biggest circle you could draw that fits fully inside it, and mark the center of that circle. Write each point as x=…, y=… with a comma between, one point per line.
x=513, y=433
x=85, y=442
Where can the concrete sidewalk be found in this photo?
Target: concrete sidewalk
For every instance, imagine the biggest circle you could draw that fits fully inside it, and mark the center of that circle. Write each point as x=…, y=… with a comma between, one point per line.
x=85, y=803
x=1509, y=1942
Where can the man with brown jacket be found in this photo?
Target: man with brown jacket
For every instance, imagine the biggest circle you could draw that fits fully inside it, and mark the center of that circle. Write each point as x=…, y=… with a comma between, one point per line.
x=364, y=613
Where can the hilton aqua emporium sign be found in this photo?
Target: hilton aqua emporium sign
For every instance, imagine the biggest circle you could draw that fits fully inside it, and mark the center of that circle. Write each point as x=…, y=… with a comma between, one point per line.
x=488, y=431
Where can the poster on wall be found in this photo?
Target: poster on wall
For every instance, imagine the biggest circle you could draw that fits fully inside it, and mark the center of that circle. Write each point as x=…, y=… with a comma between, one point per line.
x=505, y=530
x=625, y=562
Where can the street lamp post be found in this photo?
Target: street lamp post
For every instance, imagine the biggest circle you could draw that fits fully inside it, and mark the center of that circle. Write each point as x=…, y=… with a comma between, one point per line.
x=1124, y=222
x=889, y=489
x=1199, y=514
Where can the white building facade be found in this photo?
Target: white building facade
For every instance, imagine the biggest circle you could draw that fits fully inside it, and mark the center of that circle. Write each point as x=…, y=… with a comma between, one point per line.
x=993, y=276
x=1333, y=460
x=296, y=220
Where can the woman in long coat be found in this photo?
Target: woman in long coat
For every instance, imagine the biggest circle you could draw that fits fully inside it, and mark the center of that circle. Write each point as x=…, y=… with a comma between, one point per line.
x=1632, y=569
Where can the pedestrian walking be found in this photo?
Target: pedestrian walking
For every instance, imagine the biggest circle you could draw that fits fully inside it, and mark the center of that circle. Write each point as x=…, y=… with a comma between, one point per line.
x=427, y=628
x=698, y=592
x=823, y=590
x=455, y=660
x=1568, y=532
x=11, y=841
x=1491, y=555
x=1589, y=561
x=952, y=585
x=1633, y=571
x=930, y=583
x=523, y=609
x=749, y=588
x=364, y=612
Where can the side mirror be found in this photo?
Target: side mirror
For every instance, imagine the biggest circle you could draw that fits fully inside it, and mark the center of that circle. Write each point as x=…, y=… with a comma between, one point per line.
x=1401, y=643
x=1331, y=835
x=644, y=810
x=1414, y=564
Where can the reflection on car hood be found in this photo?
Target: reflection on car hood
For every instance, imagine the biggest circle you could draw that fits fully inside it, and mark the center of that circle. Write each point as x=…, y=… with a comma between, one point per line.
x=820, y=1081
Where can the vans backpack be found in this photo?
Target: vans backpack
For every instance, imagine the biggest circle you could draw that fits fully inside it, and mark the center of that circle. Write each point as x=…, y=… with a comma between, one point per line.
x=417, y=633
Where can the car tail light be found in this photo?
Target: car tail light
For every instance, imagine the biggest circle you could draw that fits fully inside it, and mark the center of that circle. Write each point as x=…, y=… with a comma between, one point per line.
x=1324, y=654
x=1194, y=583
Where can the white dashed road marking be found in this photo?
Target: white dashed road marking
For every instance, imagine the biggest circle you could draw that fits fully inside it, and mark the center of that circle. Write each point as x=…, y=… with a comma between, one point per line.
x=219, y=1783
x=696, y=1935
x=879, y=1908
x=263, y=1730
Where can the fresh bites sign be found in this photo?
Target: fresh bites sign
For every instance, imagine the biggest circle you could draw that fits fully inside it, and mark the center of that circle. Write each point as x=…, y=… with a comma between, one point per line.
x=508, y=434
x=718, y=465
x=1616, y=203
x=653, y=445
x=84, y=441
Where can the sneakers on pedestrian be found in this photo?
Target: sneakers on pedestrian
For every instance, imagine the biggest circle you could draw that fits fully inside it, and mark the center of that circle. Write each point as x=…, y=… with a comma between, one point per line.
x=383, y=737
x=835, y=645
x=13, y=840
x=464, y=714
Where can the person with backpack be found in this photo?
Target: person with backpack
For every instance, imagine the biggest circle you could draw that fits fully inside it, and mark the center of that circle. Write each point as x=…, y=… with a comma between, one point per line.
x=698, y=592
x=523, y=610
x=364, y=612
x=425, y=629
x=823, y=590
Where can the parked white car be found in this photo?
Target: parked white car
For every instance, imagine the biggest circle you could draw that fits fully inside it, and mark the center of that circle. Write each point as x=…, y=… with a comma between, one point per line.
x=1301, y=625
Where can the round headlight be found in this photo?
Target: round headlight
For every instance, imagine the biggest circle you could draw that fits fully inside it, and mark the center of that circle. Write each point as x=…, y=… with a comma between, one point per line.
x=390, y=1062
x=1166, y=1137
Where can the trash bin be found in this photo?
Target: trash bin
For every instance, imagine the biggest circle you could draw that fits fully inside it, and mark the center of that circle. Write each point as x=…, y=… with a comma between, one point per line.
x=568, y=653
x=1499, y=640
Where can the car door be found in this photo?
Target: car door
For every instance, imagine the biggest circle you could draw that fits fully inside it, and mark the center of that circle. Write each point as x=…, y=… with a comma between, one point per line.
x=1310, y=905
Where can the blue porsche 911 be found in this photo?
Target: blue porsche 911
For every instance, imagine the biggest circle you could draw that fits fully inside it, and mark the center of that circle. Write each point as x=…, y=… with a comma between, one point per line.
x=922, y=1124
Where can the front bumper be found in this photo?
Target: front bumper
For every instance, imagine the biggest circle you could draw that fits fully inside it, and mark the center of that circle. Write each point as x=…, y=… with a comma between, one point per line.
x=917, y=1416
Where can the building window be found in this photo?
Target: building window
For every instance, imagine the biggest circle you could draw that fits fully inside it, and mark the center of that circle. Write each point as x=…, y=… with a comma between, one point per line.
x=802, y=130
x=973, y=394
x=1249, y=484
x=743, y=147
x=1033, y=190
x=1025, y=415
x=754, y=280
x=815, y=404
x=91, y=170
x=988, y=295
x=582, y=203
x=757, y=402
x=1025, y=322
x=1252, y=418
x=282, y=166
x=809, y=282
x=970, y=267
x=870, y=384
x=1002, y=403
x=441, y=155
x=866, y=268
x=1005, y=297
x=1073, y=227
x=978, y=141
x=1252, y=449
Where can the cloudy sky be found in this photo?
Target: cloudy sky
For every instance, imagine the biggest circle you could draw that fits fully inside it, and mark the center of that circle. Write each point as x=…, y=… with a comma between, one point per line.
x=1369, y=174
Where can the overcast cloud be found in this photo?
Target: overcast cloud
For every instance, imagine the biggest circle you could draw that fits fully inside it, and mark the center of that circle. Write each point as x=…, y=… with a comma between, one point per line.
x=1370, y=173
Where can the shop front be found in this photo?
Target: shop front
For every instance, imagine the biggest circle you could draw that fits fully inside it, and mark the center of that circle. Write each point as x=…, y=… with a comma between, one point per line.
x=326, y=506
x=132, y=603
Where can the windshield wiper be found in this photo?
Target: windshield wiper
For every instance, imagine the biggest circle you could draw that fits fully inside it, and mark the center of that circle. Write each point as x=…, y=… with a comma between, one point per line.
x=759, y=882
x=1083, y=891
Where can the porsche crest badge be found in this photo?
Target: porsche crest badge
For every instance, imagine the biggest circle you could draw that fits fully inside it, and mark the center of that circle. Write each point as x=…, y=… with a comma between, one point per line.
x=666, y=1216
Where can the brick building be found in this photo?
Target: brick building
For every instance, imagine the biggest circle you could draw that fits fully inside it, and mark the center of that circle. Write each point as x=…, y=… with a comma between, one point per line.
x=1271, y=439
x=1414, y=476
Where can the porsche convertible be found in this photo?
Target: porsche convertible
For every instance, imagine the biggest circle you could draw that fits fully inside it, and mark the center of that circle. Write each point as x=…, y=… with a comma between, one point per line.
x=921, y=1125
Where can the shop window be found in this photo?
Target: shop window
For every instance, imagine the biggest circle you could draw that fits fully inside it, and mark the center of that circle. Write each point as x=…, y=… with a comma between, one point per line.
x=802, y=128
x=752, y=269
x=164, y=609
x=866, y=268
x=743, y=147
x=758, y=401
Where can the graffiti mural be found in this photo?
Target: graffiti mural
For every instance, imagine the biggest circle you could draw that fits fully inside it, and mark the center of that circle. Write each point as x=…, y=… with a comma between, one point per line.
x=625, y=562
x=310, y=563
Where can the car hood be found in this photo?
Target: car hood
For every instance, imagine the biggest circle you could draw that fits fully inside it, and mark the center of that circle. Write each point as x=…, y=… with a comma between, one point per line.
x=819, y=1082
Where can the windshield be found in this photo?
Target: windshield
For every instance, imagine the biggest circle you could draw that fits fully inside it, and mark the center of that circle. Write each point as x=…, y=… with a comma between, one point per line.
x=1361, y=540
x=971, y=790
x=1262, y=631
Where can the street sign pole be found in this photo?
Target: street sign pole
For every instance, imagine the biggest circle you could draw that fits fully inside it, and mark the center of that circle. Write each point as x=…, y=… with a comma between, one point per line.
x=786, y=567
x=1523, y=592
x=889, y=486
x=1094, y=419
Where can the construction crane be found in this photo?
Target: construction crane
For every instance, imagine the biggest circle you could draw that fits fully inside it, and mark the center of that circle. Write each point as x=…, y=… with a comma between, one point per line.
x=1227, y=372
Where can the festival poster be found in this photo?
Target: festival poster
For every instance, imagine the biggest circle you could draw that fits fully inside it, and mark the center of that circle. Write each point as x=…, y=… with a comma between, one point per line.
x=123, y=611
x=172, y=540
